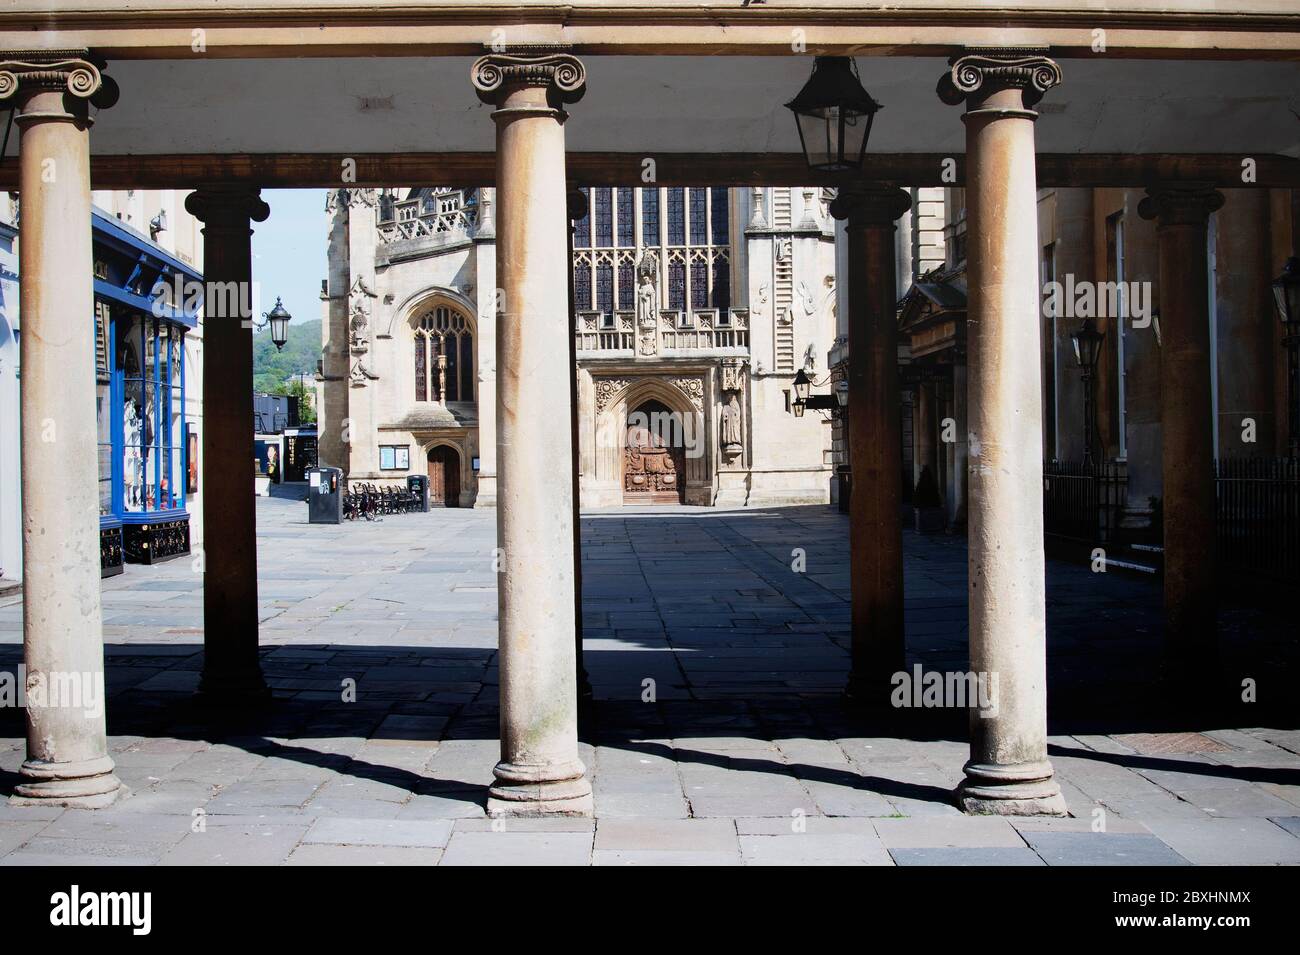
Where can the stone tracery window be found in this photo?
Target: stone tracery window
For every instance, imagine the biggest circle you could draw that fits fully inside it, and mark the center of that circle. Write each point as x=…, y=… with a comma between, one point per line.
x=444, y=333
x=689, y=231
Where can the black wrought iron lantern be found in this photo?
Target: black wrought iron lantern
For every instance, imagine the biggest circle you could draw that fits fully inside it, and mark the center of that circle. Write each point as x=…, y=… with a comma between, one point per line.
x=842, y=392
x=1286, y=291
x=802, y=384
x=1087, y=349
x=833, y=113
x=1087, y=344
x=278, y=318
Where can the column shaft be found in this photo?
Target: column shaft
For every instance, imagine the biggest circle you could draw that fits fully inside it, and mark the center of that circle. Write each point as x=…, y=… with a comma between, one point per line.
x=231, y=669
x=875, y=440
x=1186, y=411
x=63, y=641
x=539, y=771
x=1008, y=772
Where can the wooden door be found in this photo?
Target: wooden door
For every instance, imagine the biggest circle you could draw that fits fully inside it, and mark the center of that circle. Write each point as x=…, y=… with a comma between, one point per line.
x=654, y=463
x=444, y=477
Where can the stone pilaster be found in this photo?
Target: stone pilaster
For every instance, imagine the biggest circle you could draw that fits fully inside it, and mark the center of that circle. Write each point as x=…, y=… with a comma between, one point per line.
x=875, y=443
x=63, y=638
x=1008, y=772
x=539, y=771
x=231, y=669
x=1181, y=212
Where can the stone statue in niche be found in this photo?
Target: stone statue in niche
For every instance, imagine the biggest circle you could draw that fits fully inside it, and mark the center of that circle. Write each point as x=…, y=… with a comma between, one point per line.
x=732, y=437
x=647, y=306
x=359, y=336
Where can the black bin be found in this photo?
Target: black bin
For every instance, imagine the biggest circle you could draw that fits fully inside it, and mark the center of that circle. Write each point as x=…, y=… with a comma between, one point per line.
x=324, y=496
x=419, y=484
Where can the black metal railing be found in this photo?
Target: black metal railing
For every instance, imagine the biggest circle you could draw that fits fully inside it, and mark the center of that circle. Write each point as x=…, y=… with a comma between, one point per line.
x=1084, y=501
x=1257, y=517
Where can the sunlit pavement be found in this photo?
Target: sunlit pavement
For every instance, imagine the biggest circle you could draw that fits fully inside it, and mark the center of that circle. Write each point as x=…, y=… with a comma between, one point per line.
x=716, y=644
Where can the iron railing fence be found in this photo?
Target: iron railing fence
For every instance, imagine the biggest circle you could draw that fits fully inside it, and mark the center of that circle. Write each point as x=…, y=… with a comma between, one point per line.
x=1257, y=517
x=1084, y=501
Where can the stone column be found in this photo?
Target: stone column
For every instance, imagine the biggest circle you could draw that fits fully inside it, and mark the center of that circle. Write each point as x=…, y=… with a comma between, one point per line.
x=875, y=442
x=231, y=669
x=1181, y=212
x=539, y=771
x=63, y=636
x=1008, y=772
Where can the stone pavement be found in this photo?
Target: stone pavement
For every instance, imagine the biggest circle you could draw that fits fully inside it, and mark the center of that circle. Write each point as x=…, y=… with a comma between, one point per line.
x=739, y=751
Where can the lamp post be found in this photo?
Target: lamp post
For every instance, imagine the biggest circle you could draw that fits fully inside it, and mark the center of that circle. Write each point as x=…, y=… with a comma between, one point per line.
x=1286, y=292
x=278, y=318
x=1087, y=349
x=803, y=400
x=833, y=113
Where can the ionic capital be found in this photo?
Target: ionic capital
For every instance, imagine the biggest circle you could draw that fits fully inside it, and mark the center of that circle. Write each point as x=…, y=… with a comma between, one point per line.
x=75, y=73
x=562, y=75
x=870, y=204
x=979, y=73
x=231, y=206
x=1185, y=203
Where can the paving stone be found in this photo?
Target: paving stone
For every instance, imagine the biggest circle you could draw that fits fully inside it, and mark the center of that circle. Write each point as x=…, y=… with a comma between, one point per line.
x=647, y=857
x=747, y=728
x=967, y=856
x=518, y=848
x=1244, y=801
x=680, y=835
x=1290, y=823
x=1229, y=841
x=14, y=834
x=327, y=855
x=429, y=834
x=1102, y=848
x=814, y=849
x=934, y=832
x=243, y=843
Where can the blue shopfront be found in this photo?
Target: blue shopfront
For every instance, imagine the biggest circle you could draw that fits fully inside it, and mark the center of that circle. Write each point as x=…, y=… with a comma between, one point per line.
x=145, y=305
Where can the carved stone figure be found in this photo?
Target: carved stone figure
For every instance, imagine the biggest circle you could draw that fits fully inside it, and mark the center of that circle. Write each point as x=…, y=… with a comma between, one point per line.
x=731, y=427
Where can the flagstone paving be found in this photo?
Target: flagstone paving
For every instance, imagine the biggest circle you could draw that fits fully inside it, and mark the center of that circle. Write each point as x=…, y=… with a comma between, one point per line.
x=716, y=645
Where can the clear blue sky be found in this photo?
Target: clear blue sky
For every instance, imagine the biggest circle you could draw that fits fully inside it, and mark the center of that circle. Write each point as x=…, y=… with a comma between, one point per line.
x=289, y=251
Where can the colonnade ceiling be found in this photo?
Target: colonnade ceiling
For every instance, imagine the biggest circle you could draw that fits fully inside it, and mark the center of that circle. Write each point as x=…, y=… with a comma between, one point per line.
x=658, y=105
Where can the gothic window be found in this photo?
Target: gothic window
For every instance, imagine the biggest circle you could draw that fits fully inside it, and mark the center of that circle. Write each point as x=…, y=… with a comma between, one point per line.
x=582, y=227
x=650, y=217
x=699, y=217
x=582, y=284
x=626, y=287
x=721, y=287
x=604, y=218
x=626, y=218
x=699, y=283
x=605, y=288
x=677, y=285
x=677, y=216
x=421, y=363
x=721, y=230
x=444, y=333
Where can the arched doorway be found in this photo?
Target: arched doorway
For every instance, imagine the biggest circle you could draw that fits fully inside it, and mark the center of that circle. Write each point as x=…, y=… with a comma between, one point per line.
x=444, y=477
x=654, y=458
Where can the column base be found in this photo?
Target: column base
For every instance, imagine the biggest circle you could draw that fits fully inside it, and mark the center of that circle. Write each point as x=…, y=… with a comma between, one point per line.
x=519, y=791
x=1025, y=789
x=85, y=784
x=248, y=686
